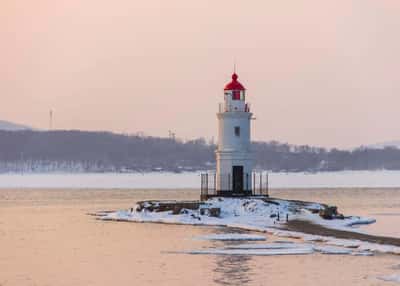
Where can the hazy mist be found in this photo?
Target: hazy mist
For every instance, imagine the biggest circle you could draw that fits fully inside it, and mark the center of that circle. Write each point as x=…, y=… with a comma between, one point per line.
x=317, y=72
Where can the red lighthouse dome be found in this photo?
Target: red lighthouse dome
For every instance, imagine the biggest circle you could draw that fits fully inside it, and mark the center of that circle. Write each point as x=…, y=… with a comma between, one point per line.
x=234, y=84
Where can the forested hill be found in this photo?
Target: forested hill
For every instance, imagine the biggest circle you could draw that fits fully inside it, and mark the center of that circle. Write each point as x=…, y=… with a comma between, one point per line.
x=81, y=151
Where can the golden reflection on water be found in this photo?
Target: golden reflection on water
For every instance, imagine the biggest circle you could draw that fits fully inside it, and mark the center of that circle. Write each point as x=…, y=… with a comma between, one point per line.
x=232, y=270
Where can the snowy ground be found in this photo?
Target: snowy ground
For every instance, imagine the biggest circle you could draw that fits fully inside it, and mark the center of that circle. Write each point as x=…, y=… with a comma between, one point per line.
x=232, y=237
x=246, y=213
x=157, y=180
x=257, y=215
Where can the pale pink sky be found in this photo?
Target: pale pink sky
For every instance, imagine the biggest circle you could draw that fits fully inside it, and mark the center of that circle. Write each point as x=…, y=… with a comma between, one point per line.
x=317, y=72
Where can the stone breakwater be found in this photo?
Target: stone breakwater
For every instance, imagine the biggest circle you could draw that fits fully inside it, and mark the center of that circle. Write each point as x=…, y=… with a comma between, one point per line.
x=206, y=208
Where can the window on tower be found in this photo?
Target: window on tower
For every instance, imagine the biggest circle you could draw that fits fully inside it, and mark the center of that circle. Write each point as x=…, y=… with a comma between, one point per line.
x=236, y=95
x=237, y=131
x=242, y=95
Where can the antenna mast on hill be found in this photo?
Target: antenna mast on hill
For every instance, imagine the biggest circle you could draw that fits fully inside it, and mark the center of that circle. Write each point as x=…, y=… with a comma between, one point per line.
x=51, y=120
x=171, y=135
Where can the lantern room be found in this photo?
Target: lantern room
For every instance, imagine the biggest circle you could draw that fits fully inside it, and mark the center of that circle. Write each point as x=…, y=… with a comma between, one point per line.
x=234, y=97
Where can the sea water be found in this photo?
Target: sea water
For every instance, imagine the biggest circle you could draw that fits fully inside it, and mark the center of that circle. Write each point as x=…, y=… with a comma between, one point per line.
x=47, y=238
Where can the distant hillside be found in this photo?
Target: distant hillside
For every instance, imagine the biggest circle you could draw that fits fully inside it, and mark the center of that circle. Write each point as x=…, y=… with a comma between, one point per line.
x=6, y=125
x=382, y=145
x=81, y=151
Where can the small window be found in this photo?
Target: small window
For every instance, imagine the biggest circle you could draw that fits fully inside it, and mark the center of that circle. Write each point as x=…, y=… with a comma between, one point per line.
x=236, y=95
x=242, y=98
x=228, y=94
x=237, y=131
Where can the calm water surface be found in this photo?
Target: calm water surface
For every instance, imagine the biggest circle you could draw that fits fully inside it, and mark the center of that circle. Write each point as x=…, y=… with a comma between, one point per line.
x=46, y=239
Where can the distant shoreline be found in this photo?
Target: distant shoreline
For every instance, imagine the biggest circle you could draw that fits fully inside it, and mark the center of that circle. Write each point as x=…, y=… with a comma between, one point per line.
x=191, y=180
x=71, y=172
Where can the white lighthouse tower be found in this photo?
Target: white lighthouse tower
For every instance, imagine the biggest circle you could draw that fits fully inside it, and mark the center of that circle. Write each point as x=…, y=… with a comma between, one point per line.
x=233, y=154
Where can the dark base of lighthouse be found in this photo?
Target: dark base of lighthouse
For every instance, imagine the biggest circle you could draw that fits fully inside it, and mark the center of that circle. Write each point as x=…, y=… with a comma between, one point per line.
x=256, y=186
x=230, y=194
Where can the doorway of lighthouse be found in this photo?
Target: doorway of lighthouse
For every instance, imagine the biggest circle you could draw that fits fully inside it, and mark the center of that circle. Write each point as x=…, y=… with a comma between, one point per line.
x=237, y=179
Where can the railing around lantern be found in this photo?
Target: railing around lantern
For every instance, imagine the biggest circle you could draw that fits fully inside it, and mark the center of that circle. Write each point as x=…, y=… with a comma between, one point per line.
x=251, y=184
x=223, y=107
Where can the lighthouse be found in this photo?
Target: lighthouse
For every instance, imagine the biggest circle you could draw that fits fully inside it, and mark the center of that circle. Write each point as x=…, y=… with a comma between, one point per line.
x=233, y=155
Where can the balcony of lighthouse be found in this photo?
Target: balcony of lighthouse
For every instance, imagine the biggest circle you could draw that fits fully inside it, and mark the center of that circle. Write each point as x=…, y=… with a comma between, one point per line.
x=234, y=107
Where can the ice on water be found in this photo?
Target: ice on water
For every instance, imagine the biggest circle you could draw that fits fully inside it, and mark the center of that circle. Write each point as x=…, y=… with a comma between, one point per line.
x=331, y=249
x=254, y=252
x=390, y=278
x=273, y=245
x=232, y=237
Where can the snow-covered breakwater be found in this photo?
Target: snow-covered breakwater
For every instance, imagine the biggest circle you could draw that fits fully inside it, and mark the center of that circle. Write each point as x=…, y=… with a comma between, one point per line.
x=250, y=213
x=256, y=214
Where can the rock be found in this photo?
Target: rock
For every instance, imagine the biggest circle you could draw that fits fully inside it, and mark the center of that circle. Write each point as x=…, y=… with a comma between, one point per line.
x=340, y=216
x=215, y=212
x=271, y=201
x=176, y=210
x=179, y=210
x=329, y=212
x=211, y=212
x=196, y=217
x=164, y=206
